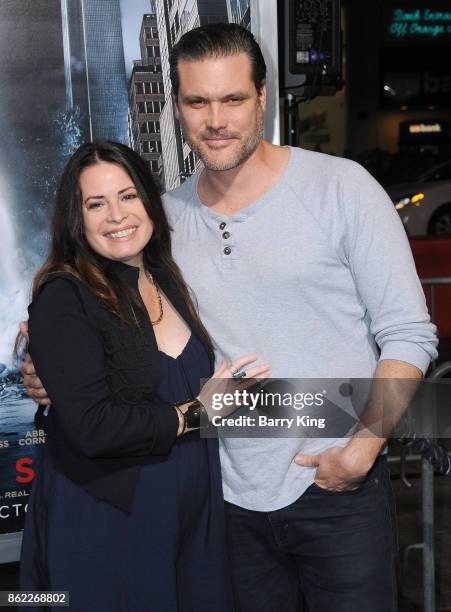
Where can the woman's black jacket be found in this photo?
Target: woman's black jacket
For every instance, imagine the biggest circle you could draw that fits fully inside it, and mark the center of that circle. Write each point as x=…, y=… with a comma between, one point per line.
x=106, y=419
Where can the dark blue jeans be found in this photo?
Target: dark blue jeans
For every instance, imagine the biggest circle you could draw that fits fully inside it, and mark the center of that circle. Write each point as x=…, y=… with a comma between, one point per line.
x=338, y=550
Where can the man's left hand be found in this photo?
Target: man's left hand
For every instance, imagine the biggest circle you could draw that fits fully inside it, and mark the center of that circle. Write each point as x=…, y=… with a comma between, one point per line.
x=339, y=469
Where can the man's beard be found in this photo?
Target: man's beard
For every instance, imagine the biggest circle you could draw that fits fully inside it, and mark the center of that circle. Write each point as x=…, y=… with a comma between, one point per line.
x=244, y=152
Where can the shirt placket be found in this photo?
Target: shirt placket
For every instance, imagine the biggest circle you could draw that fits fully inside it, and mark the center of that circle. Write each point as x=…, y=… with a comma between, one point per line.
x=227, y=244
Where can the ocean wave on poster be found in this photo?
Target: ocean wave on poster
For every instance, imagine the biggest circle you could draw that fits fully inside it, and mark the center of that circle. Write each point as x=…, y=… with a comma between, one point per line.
x=14, y=288
x=17, y=409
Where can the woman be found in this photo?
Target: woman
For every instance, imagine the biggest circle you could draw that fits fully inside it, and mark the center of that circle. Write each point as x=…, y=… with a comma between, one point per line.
x=126, y=511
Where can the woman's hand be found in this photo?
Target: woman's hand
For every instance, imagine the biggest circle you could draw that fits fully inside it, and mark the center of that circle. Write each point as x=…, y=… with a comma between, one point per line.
x=226, y=370
x=222, y=382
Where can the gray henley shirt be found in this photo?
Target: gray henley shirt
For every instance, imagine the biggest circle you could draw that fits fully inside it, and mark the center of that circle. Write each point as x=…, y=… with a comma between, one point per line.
x=317, y=277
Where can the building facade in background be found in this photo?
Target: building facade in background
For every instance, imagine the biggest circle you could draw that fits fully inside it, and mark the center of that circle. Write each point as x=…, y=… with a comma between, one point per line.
x=239, y=11
x=146, y=99
x=95, y=67
x=174, y=18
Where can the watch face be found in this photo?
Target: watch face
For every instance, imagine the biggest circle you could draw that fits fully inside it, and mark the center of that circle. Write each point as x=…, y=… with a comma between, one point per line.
x=193, y=416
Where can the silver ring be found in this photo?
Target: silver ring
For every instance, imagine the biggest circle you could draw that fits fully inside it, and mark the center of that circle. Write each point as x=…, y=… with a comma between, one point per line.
x=239, y=374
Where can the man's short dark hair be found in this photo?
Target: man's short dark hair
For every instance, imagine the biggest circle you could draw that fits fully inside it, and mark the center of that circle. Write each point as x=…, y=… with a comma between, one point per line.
x=217, y=40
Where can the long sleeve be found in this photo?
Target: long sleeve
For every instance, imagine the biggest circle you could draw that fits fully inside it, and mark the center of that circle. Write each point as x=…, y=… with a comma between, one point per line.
x=384, y=271
x=69, y=355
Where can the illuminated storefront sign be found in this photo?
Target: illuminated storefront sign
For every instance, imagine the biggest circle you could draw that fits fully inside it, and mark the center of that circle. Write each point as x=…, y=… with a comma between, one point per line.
x=425, y=128
x=418, y=24
x=424, y=132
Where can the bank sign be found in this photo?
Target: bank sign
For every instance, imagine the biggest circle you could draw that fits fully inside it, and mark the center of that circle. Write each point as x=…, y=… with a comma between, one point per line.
x=418, y=24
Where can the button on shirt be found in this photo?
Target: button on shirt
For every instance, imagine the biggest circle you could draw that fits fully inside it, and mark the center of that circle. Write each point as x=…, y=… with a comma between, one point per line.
x=319, y=279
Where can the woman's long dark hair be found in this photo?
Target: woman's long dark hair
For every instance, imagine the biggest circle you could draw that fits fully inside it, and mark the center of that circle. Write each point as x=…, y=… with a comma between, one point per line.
x=70, y=252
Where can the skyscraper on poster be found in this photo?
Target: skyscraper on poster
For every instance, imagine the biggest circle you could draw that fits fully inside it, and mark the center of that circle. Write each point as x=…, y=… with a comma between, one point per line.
x=94, y=65
x=146, y=99
x=239, y=11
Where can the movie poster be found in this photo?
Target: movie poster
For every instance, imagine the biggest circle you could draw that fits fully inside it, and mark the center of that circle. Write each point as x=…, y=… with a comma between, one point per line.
x=74, y=71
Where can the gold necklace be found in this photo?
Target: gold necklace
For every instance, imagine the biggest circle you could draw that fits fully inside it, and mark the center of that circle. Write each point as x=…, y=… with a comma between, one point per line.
x=160, y=303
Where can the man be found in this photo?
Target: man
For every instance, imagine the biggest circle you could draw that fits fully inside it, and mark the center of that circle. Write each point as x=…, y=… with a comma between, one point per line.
x=301, y=257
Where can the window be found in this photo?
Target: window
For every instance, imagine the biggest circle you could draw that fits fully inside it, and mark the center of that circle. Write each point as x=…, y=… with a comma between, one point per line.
x=141, y=107
x=190, y=163
x=147, y=88
x=150, y=146
x=186, y=165
x=154, y=166
x=161, y=88
x=156, y=51
x=154, y=87
x=139, y=88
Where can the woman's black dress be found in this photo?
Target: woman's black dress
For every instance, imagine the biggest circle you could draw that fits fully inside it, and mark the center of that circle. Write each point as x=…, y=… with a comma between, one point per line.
x=167, y=555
